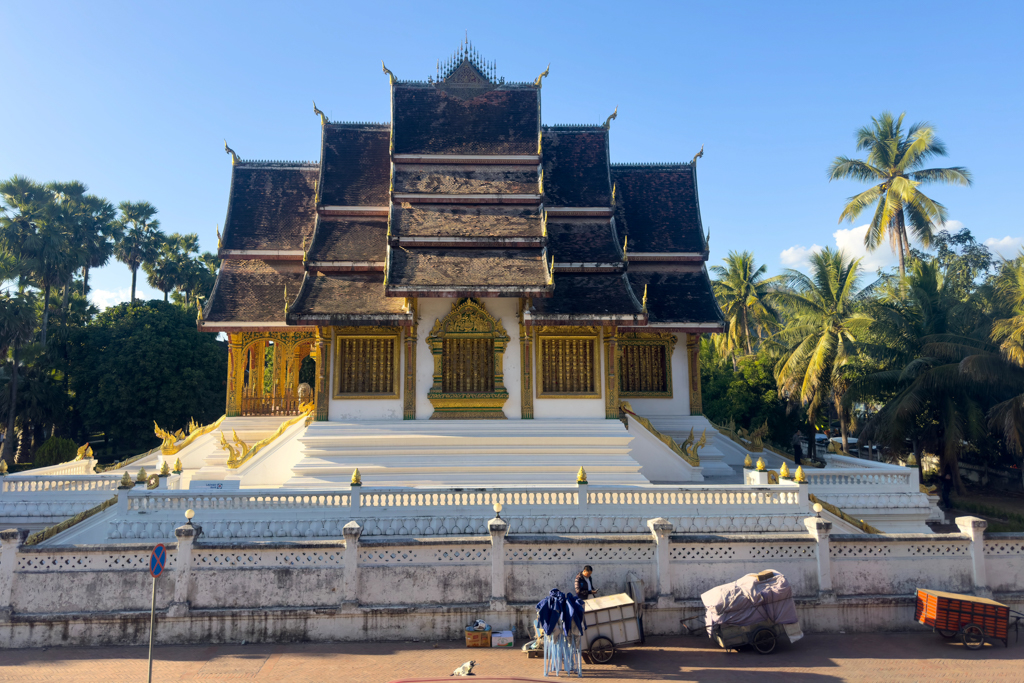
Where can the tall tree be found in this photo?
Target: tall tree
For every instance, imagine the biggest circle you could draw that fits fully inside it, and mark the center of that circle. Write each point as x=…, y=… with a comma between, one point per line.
x=17, y=327
x=101, y=233
x=746, y=296
x=824, y=323
x=894, y=164
x=163, y=272
x=140, y=239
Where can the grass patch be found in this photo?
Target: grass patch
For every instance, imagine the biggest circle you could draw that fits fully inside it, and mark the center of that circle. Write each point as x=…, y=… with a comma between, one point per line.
x=1009, y=521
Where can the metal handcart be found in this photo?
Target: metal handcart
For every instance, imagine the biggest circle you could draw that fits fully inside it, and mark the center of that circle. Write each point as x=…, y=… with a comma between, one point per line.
x=757, y=610
x=970, y=618
x=612, y=621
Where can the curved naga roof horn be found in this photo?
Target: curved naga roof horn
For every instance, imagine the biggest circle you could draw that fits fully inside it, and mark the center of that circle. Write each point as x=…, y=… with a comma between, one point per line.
x=546, y=71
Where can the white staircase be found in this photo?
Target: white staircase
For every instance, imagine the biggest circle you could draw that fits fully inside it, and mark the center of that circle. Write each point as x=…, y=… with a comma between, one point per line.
x=721, y=457
x=477, y=453
x=211, y=458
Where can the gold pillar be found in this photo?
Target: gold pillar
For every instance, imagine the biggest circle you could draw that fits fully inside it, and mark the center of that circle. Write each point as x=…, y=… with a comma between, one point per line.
x=526, y=361
x=323, y=347
x=409, y=400
x=693, y=362
x=259, y=360
x=235, y=376
x=611, y=360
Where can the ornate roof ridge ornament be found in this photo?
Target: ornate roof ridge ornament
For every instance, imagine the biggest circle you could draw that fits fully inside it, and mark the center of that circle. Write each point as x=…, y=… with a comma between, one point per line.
x=698, y=155
x=323, y=117
x=234, y=157
x=391, y=76
x=217, y=228
x=608, y=121
x=286, y=298
x=543, y=75
x=625, y=249
x=644, y=303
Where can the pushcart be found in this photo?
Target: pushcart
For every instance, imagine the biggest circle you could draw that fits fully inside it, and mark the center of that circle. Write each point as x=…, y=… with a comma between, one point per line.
x=970, y=618
x=611, y=622
x=756, y=611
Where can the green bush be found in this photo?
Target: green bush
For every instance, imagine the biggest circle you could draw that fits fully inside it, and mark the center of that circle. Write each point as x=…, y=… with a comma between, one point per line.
x=56, y=450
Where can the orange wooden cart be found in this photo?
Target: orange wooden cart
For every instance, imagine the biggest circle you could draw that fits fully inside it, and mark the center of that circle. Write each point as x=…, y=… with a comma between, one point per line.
x=971, y=618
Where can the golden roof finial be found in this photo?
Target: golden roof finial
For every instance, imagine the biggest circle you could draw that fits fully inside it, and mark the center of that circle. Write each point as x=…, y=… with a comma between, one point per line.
x=800, y=478
x=698, y=155
x=234, y=157
x=217, y=228
x=544, y=74
x=323, y=116
x=165, y=469
x=615, y=187
x=784, y=471
x=177, y=466
x=391, y=76
x=748, y=462
x=3, y=468
x=625, y=249
x=286, y=298
x=357, y=479
x=581, y=476
x=608, y=121
x=126, y=481
x=761, y=466
x=645, y=299
x=199, y=307
x=551, y=271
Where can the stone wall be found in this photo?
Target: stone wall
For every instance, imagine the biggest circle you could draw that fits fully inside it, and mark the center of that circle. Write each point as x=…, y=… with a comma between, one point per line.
x=395, y=588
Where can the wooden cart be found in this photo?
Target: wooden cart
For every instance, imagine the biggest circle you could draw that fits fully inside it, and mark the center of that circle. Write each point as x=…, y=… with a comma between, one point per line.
x=611, y=621
x=972, y=619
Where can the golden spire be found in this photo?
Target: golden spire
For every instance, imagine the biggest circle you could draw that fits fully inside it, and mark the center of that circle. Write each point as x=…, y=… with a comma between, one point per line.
x=608, y=121
x=748, y=462
x=784, y=471
x=800, y=478
x=177, y=466
x=165, y=469
x=357, y=479
x=537, y=82
x=3, y=468
x=761, y=466
x=234, y=157
x=581, y=476
x=391, y=76
x=323, y=116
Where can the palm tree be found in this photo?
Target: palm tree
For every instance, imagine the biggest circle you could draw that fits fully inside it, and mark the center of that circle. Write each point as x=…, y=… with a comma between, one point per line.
x=101, y=232
x=141, y=237
x=894, y=164
x=824, y=324
x=163, y=271
x=746, y=296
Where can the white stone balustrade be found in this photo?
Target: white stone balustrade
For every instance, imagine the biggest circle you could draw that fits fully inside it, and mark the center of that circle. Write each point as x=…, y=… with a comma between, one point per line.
x=59, y=483
x=72, y=467
x=496, y=576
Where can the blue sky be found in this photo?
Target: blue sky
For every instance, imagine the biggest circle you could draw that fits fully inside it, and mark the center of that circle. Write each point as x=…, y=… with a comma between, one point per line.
x=135, y=98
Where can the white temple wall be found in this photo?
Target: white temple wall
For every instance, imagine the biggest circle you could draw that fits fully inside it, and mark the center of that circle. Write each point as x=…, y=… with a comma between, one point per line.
x=362, y=408
x=554, y=408
x=679, y=404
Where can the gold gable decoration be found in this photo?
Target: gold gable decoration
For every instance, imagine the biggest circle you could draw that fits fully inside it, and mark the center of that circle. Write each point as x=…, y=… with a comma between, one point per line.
x=468, y=346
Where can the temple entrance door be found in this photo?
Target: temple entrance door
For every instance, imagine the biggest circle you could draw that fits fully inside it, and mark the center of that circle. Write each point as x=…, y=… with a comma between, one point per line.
x=468, y=346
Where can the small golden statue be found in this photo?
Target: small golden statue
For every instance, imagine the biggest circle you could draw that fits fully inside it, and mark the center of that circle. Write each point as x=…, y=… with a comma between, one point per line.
x=165, y=469
x=126, y=481
x=177, y=466
x=761, y=466
x=748, y=462
x=581, y=476
x=784, y=471
x=800, y=478
x=142, y=476
x=3, y=468
x=357, y=479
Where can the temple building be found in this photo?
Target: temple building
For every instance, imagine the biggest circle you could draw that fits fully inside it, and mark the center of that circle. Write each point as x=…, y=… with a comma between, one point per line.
x=463, y=262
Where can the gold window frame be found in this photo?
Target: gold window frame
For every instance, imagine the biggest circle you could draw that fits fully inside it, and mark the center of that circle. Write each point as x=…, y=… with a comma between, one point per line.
x=392, y=333
x=567, y=333
x=655, y=339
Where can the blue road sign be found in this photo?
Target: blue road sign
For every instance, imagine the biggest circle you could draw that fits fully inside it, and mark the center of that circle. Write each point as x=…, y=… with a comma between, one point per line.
x=158, y=560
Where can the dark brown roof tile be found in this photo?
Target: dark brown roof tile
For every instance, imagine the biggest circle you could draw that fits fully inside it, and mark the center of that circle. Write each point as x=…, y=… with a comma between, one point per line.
x=656, y=206
x=576, y=167
x=251, y=291
x=270, y=207
x=357, y=165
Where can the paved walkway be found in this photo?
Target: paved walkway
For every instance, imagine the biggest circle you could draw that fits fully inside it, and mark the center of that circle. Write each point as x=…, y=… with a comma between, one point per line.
x=903, y=657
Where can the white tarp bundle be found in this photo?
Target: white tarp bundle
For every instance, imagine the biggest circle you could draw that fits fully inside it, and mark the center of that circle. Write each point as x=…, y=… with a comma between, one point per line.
x=749, y=600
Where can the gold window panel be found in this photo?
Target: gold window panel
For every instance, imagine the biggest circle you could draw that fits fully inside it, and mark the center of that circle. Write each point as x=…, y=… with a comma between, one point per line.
x=367, y=362
x=567, y=363
x=645, y=365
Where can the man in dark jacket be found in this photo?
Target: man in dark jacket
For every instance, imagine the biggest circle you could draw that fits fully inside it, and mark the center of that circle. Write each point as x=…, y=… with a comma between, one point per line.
x=585, y=584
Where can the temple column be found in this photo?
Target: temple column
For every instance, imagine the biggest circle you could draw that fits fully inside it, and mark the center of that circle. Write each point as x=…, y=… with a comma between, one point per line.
x=409, y=399
x=693, y=363
x=235, y=376
x=323, y=351
x=611, y=367
x=259, y=360
x=526, y=363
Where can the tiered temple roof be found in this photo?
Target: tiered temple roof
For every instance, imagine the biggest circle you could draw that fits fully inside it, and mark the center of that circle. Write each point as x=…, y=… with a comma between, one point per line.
x=463, y=193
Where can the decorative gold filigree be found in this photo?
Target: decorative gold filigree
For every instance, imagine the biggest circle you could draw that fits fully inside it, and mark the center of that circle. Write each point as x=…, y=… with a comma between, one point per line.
x=568, y=365
x=644, y=363
x=237, y=459
x=773, y=477
x=367, y=362
x=174, y=443
x=690, y=454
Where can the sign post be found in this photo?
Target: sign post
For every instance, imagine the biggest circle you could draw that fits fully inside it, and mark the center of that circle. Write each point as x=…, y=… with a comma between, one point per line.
x=157, y=562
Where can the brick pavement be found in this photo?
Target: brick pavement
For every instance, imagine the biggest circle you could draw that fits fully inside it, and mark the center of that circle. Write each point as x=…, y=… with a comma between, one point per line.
x=903, y=657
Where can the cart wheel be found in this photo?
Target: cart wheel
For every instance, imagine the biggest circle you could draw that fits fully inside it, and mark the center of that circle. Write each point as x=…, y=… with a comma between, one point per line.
x=764, y=641
x=947, y=634
x=972, y=636
x=602, y=649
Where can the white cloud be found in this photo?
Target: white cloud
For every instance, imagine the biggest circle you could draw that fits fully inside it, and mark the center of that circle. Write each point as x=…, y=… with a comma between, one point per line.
x=104, y=298
x=797, y=255
x=851, y=240
x=950, y=226
x=1007, y=247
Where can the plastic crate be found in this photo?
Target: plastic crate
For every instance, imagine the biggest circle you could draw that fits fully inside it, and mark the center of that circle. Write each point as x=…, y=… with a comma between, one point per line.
x=478, y=638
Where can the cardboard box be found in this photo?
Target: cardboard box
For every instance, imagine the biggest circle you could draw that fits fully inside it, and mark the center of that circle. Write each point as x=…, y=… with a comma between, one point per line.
x=502, y=639
x=478, y=638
